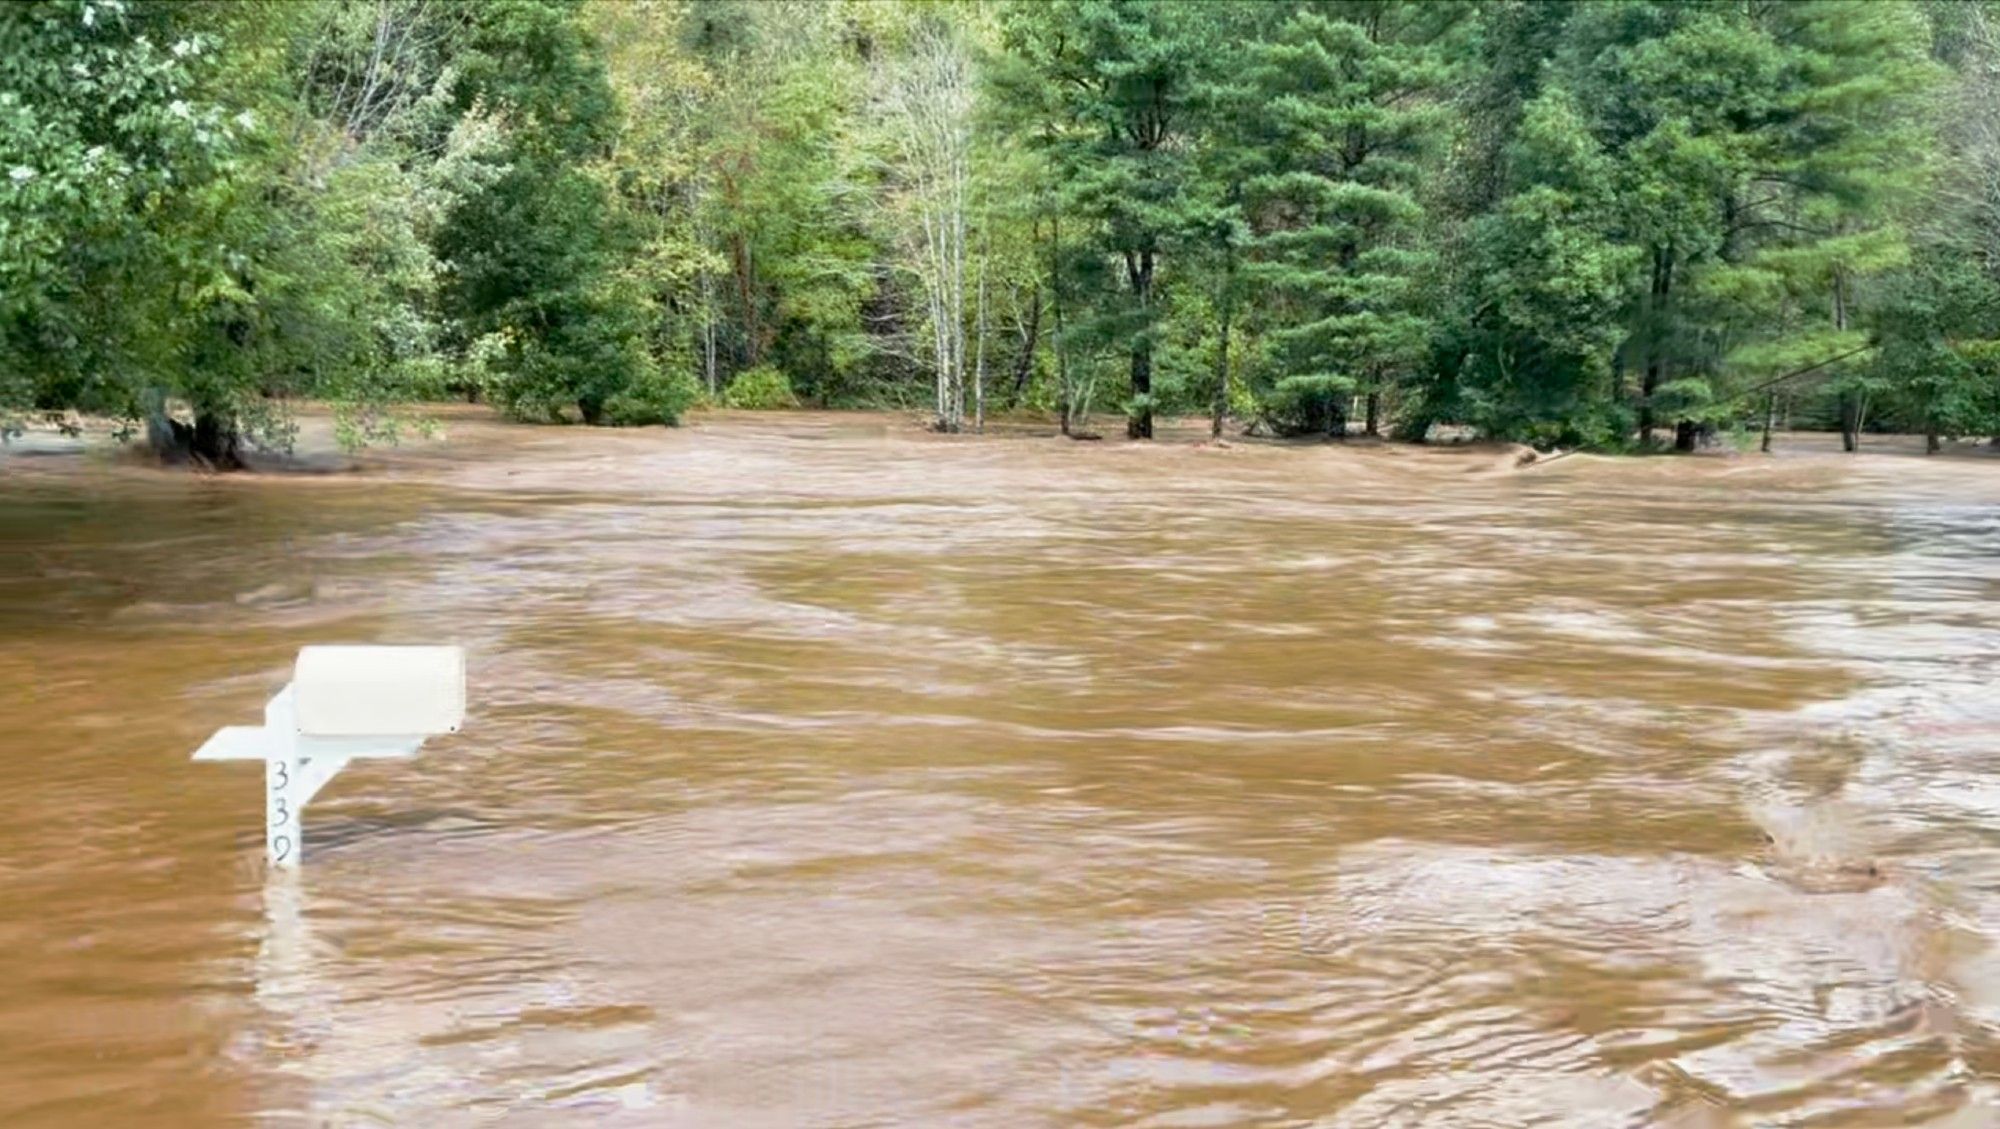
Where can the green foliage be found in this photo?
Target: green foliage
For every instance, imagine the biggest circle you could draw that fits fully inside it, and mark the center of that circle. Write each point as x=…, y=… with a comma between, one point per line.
x=1115, y=96
x=1566, y=223
x=1313, y=404
x=1334, y=139
x=760, y=389
x=117, y=145
x=1691, y=191
x=1939, y=326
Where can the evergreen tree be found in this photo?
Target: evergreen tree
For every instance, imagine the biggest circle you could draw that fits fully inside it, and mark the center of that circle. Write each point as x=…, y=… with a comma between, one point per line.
x=1341, y=117
x=1119, y=86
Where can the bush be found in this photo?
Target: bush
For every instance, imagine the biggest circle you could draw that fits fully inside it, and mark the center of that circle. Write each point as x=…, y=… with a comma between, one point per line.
x=1311, y=404
x=761, y=389
x=589, y=355
x=652, y=397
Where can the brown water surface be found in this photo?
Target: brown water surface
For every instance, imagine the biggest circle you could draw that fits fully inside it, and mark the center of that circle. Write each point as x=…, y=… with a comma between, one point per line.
x=821, y=773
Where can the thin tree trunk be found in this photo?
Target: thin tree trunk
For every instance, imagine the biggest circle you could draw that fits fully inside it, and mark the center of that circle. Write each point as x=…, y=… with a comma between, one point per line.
x=752, y=332
x=708, y=332
x=708, y=366
x=1374, y=412
x=1221, y=408
x=1770, y=420
x=1140, y=424
x=979, y=349
x=957, y=296
x=1852, y=406
x=1024, y=364
x=1656, y=367
x=1061, y=343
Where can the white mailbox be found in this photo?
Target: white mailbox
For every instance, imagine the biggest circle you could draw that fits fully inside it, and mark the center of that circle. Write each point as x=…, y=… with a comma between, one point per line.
x=379, y=691
x=342, y=703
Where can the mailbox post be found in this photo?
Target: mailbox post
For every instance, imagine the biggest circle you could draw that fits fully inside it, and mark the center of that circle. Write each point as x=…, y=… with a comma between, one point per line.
x=342, y=703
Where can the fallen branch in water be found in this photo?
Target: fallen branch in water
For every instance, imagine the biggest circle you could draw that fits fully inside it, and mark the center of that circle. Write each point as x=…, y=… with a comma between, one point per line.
x=1538, y=460
x=1756, y=388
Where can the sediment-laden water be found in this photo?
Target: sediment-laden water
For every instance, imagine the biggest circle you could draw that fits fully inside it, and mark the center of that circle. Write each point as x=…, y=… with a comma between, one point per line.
x=822, y=773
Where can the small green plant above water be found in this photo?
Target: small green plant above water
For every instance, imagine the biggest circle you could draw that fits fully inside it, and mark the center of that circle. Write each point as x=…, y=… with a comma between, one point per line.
x=763, y=388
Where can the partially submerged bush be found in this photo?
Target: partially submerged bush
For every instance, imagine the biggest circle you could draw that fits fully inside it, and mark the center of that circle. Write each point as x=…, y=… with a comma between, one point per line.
x=1309, y=404
x=762, y=388
x=588, y=354
x=653, y=397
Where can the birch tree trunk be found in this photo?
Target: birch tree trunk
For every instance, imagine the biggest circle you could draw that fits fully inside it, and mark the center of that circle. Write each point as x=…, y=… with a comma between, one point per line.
x=927, y=102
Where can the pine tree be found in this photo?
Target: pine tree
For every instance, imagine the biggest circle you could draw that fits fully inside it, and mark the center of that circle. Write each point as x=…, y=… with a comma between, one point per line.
x=1119, y=87
x=1341, y=115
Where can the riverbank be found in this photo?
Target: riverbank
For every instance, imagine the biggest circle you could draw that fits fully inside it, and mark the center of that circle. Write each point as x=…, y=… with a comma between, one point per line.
x=459, y=433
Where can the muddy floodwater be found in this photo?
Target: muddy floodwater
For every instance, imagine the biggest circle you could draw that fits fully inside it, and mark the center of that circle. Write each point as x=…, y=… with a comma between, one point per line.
x=820, y=772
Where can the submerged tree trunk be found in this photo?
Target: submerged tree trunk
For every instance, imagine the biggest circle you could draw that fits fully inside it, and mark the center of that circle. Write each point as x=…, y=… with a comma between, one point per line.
x=1770, y=420
x=1686, y=435
x=213, y=441
x=1933, y=443
x=1374, y=410
x=1336, y=417
x=216, y=441
x=1140, y=424
x=1853, y=405
x=1647, y=383
x=1139, y=266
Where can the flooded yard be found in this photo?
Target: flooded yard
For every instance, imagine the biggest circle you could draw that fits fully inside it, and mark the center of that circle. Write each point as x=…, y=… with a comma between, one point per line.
x=820, y=772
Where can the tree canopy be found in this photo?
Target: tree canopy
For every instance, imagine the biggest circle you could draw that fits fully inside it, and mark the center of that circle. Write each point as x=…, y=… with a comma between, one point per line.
x=1614, y=223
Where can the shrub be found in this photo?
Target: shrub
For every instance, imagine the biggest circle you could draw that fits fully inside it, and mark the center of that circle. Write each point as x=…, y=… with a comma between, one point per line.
x=588, y=354
x=652, y=397
x=1314, y=403
x=762, y=388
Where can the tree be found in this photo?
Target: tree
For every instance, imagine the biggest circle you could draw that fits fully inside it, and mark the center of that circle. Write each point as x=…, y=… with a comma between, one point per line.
x=1530, y=351
x=1749, y=155
x=1340, y=117
x=1118, y=85
x=660, y=174
x=120, y=152
x=535, y=253
x=926, y=96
